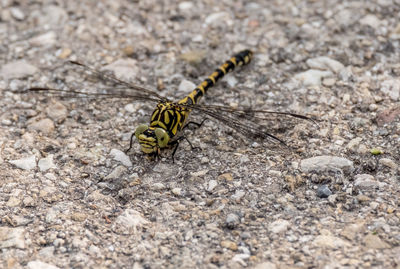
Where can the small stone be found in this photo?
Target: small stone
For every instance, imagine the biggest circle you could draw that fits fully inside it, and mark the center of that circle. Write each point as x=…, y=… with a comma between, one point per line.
x=278, y=226
x=28, y=201
x=46, y=163
x=185, y=5
x=239, y=258
x=64, y=53
x=17, y=69
x=328, y=82
x=13, y=202
x=323, y=191
x=158, y=186
x=371, y=20
x=238, y=195
x=194, y=57
x=326, y=163
x=12, y=237
x=211, y=185
x=116, y=173
x=226, y=176
x=265, y=265
x=78, y=216
x=57, y=111
x=229, y=245
x=27, y=163
x=121, y=157
x=374, y=242
x=391, y=87
x=325, y=63
x=186, y=86
x=40, y=265
x=219, y=18
x=312, y=77
x=329, y=241
x=354, y=143
x=17, y=13
x=129, y=222
x=351, y=231
x=388, y=163
x=232, y=220
x=126, y=69
x=45, y=126
x=128, y=50
x=177, y=191
x=365, y=182
x=44, y=40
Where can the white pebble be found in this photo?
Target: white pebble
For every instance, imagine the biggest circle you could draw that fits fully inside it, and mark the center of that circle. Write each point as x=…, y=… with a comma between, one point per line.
x=27, y=163
x=46, y=163
x=121, y=157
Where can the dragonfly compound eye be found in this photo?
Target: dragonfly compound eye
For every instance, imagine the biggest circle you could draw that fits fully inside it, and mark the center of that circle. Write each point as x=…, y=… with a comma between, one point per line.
x=162, y=137
x=141, y=129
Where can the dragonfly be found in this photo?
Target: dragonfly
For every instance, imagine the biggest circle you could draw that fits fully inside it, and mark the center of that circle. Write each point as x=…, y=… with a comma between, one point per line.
x=170, y=118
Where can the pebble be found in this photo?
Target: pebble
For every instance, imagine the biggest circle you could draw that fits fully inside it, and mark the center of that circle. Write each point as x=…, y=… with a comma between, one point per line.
x=232, y=220
x=329, y=241
x=371, y=20
x=12, y=237
x=265, y=265
x=239, y=258
x=27, y=163
x=46, y=163
x=177, y=191
x=325, y=63
x=229, y=245
x=57, y=111
x=219, y=18
x=323, y=191
x=326, y=163
x=44, y=40
x=185, y=5
x=40, y=265
x=64, y=53
x=194, y=57
x=126, y=69
x=388, y=163
x=374, y=242
x=351, y=231
x=211, y=185
x=279, y=226
x=312, y=77
x=365, y=182
x=238, y=195
x=129, y=222
x=121, y=157
x=45, y=126
x=391, y=88
x=17, y=69
x=116, y=173
x=17, y=13
x=186, y=86
x=52, y=15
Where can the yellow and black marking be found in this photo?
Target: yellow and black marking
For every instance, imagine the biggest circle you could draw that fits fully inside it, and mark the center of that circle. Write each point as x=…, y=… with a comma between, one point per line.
x=169, y=118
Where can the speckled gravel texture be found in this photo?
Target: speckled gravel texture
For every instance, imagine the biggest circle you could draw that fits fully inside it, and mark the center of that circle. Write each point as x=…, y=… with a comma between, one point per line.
x=71, y=198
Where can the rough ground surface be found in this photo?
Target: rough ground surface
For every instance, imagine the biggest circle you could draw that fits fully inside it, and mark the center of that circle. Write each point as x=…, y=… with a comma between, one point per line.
x=70, y=197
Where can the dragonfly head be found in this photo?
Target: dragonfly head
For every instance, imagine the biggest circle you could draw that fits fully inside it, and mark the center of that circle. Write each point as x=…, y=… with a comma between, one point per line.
x=151, y=139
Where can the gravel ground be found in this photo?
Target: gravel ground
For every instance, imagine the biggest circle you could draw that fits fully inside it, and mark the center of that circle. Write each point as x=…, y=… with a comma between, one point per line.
x=70, y=197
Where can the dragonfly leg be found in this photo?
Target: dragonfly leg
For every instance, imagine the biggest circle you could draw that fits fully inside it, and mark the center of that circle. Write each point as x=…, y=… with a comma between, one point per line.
x=130, y=144
x=176, y=142
x=198, y=125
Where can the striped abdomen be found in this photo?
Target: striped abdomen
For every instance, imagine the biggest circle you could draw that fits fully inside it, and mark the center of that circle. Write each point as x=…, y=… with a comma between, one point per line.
x=243, y=57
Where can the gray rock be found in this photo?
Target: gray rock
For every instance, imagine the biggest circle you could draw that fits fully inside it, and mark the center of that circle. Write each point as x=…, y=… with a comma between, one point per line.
x=279, y=226
x=232, y=220
x=40, y=265
x=126, y=69
x=121, y=157
x=326, y=163
x=365, y=182
x=27, y=163
x=186, y=86
x=45, y=126
x=388, y=163
x=17, y=69
x=116, y=173
x=57, y=111
x=391, y=87
x=325, y=63
x=46, y=163
x=17, y=13
x=329, y=241
x=312, y=77
x=12, y=237
x=323, y=191
x=211, y=185
x=129, y=222
x=44, y=40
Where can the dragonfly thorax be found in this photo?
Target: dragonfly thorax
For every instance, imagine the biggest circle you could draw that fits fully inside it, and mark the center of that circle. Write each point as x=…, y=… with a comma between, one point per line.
x=151, y=139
